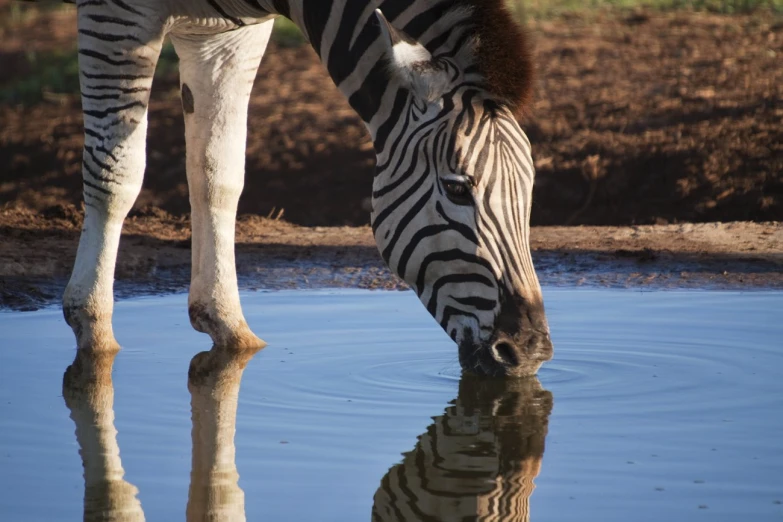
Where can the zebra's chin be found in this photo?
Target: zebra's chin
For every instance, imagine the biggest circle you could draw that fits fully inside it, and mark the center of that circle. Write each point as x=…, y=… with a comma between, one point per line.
x=505, y=357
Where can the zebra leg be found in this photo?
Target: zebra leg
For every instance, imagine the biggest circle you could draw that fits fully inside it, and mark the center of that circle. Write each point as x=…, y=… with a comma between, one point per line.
x=216, y=76
x=118, y=49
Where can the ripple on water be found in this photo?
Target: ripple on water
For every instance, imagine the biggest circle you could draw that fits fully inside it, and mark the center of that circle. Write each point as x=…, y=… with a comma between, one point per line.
x=338, y=374
x=641, y=361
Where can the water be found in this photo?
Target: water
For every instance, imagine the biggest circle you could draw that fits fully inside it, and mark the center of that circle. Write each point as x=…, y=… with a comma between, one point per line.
x=657, y=406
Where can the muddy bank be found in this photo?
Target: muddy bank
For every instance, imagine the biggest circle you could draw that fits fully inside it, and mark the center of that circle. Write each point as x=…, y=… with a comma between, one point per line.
x=37, y=253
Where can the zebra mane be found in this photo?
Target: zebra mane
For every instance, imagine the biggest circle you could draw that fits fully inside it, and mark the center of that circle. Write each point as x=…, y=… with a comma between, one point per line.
x=502, y=52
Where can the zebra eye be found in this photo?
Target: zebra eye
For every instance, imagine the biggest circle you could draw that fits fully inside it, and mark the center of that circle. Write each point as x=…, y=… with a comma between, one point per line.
x=458, y=191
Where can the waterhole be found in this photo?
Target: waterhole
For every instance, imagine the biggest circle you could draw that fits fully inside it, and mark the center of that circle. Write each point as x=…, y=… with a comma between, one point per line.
x=657, y=406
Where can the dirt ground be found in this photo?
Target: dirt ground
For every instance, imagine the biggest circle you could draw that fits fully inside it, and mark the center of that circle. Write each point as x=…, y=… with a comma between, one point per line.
x=639, y=119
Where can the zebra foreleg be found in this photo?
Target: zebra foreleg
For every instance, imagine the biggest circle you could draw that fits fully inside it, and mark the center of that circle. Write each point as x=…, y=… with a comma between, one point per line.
x=216, y=75
x=118, y=51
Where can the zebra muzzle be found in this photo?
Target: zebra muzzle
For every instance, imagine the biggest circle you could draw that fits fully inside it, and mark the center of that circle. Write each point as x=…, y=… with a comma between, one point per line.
x=522, y=356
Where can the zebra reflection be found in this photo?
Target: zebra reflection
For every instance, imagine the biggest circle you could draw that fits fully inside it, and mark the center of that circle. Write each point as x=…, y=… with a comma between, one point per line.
x=89, y=395
x=477, y=461
x=213, y=380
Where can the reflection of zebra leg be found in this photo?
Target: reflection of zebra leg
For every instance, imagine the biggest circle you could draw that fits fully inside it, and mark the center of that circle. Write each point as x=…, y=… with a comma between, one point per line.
x=89, y=394
x=213, y=380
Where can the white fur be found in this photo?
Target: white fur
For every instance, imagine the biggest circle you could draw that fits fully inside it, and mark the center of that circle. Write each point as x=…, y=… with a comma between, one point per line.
x=408, y=55
x=219, y=71
x=413, y=65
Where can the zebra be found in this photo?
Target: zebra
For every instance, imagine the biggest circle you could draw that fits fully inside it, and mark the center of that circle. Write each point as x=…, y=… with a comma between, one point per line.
x=477, y=461
x=439, y=85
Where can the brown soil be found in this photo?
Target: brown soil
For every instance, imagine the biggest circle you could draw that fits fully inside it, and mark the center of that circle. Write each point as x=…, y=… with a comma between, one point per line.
x=649, y=118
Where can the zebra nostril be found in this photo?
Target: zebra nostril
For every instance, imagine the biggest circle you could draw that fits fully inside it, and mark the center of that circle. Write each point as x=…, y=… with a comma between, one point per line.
x=505, y=353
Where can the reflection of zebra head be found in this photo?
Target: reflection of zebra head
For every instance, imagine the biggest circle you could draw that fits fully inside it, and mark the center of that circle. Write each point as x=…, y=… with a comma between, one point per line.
x=452, y=192
x=477, y=461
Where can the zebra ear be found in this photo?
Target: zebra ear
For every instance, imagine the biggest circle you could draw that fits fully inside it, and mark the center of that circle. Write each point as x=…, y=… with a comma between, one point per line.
x=411, y=63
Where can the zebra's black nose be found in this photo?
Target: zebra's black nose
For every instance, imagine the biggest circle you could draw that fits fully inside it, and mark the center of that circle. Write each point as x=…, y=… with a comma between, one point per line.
x=504, y=353
x=522, y=355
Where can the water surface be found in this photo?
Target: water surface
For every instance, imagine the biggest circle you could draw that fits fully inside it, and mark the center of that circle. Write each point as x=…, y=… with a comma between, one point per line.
x=657, y=406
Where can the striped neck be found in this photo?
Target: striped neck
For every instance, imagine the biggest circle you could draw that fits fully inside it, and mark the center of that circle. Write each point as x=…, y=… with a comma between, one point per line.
x=347, y=37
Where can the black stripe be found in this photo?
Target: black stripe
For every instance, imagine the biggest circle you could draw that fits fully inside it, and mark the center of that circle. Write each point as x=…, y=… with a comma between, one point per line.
x=448, y=106
x=457, y=226
x=345, y=52
x=282, y=7
x=109, y=37
x=509, y=261
x=423, y=21
x=253, y=4
x=101, y=148
x=448, y=312
x=95, y=159
x=89, y=132
x=367, y=100
x=315, y=14
x=95, y=187
x=479, y=303
x=95, y=175
x=101, y=96
x=123, y=5
x=124, y=90
x=91, y=76
x=384, y=130
x=236, y=21
x=382, y=216
x=412, y=168
x=114, y=110
x=418, y=237
x=451, y=256
x=401, y=225
x=112, y=20
x=432, y=305
x=102, y=57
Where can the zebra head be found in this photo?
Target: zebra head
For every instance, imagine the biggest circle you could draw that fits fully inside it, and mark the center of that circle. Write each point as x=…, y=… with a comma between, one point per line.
x=451, y=203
